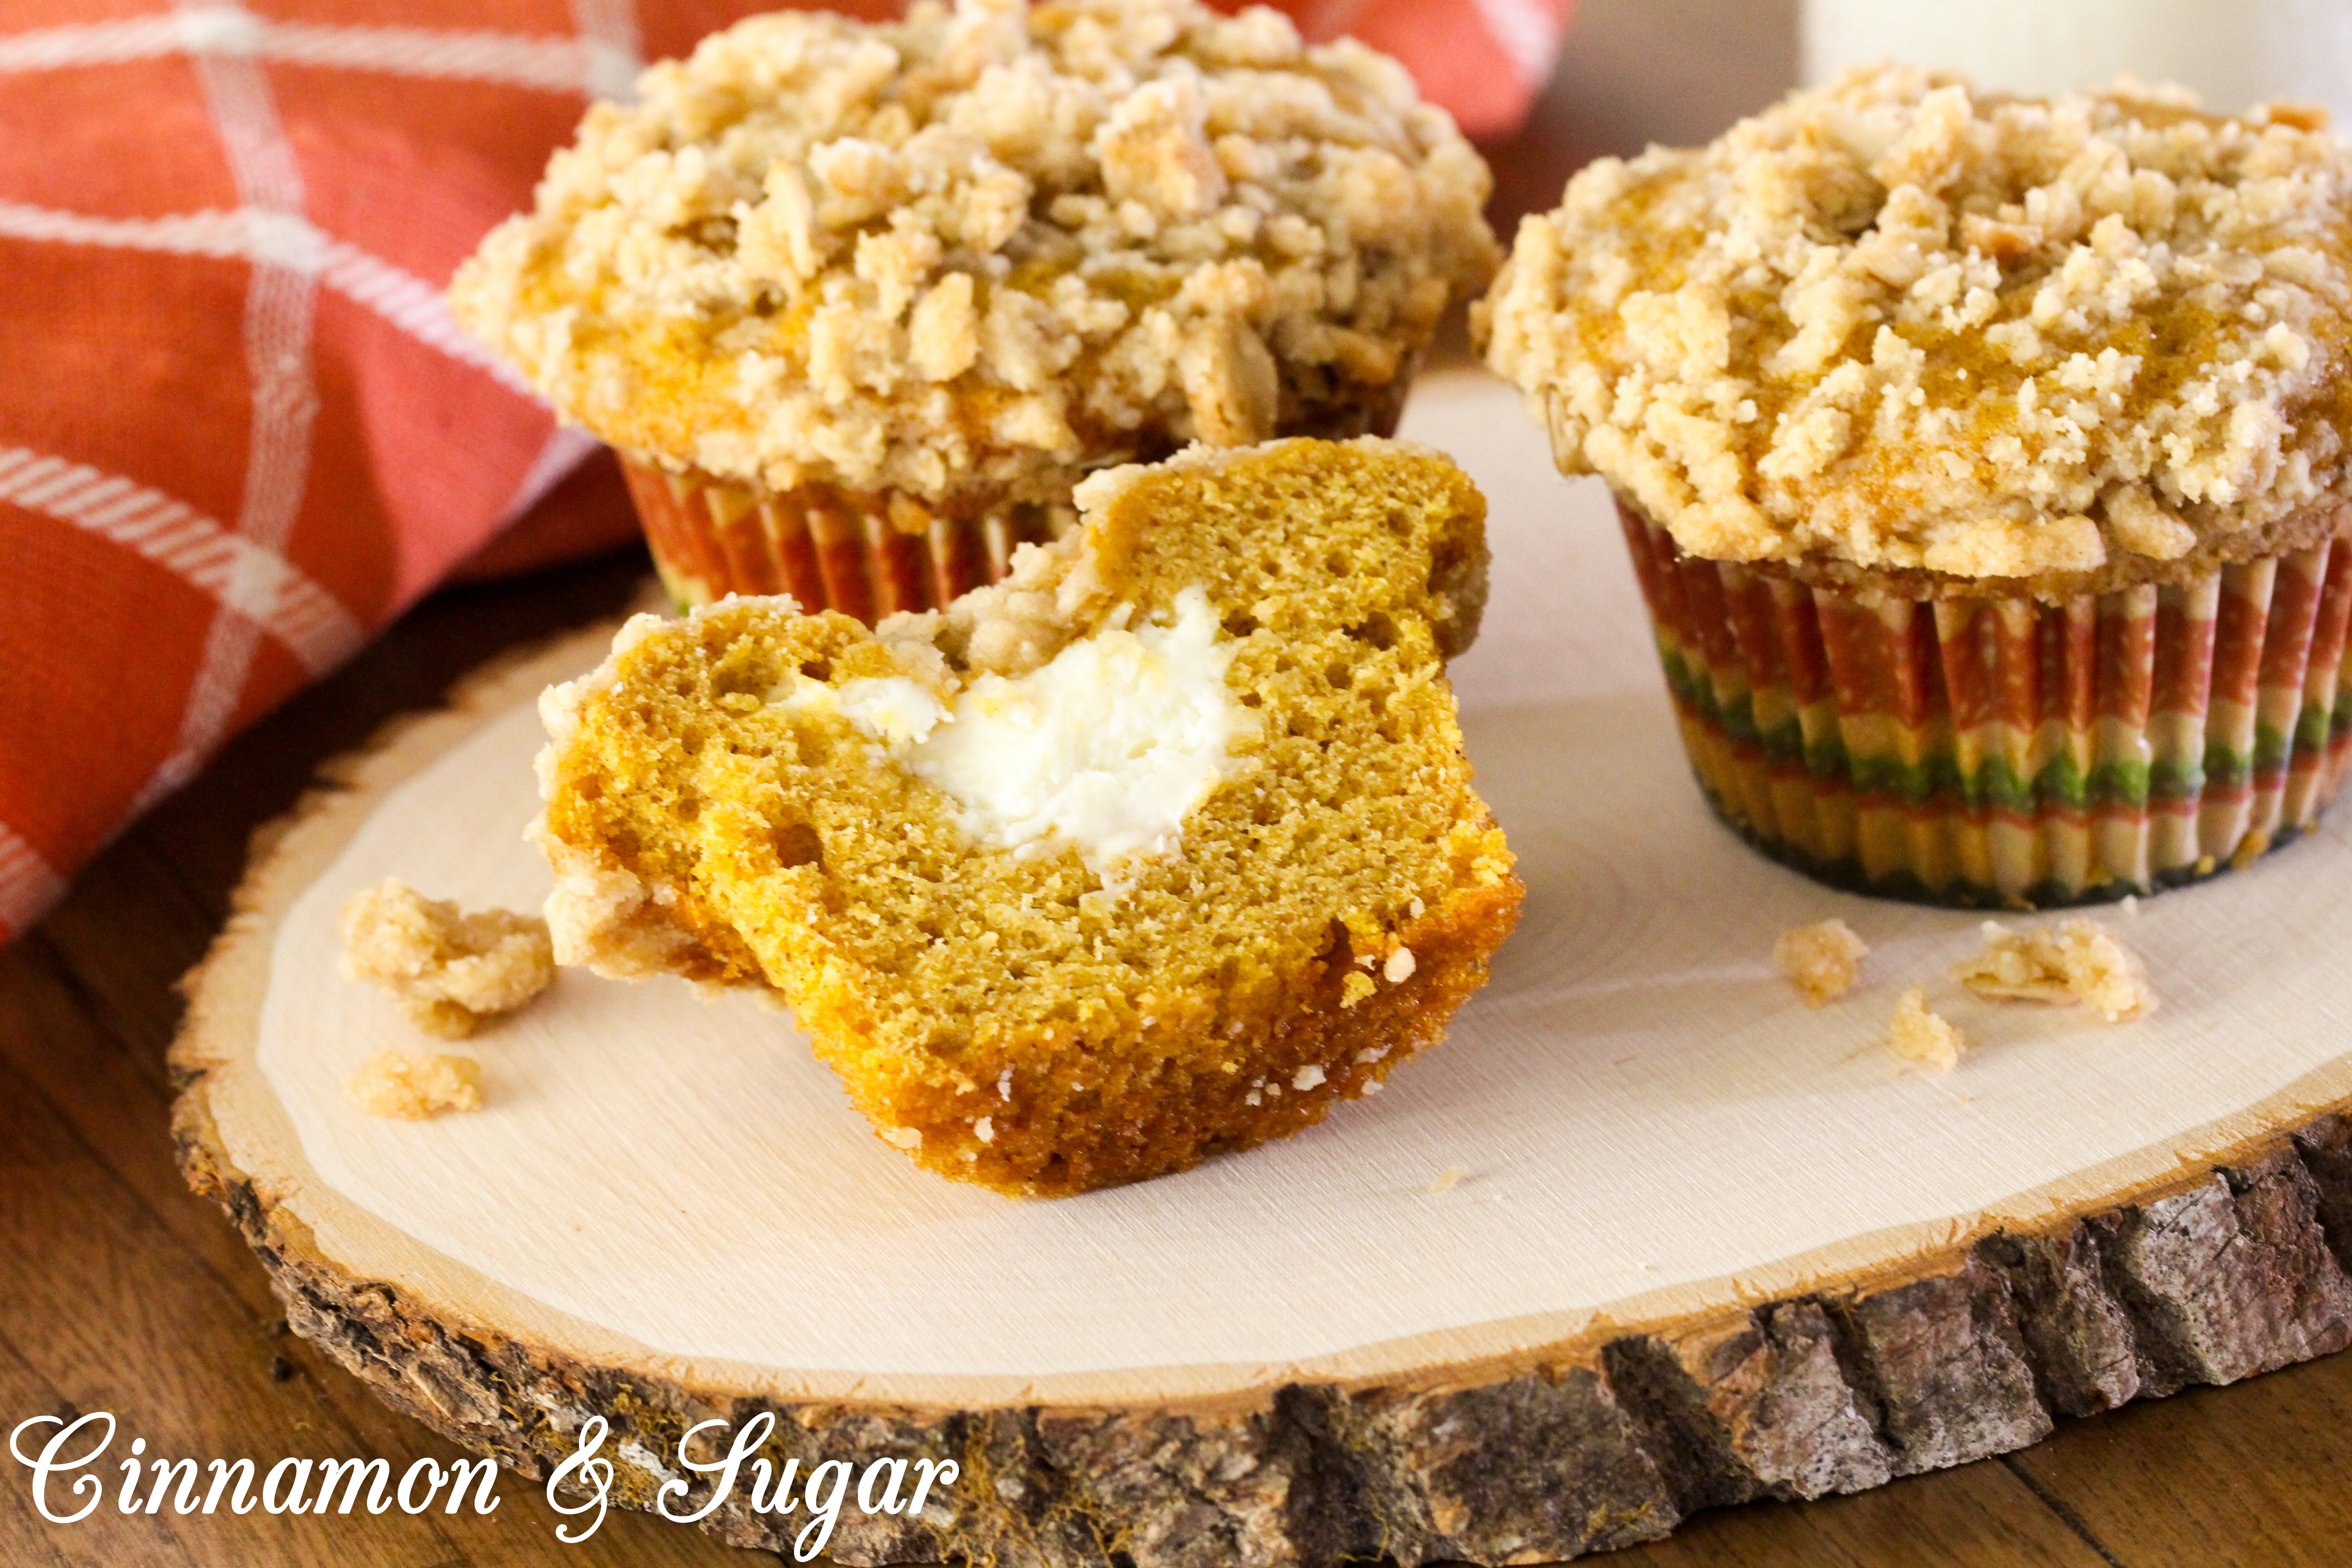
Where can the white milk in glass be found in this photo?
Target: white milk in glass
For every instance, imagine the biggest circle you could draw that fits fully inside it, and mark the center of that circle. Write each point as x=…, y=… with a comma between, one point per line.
x=2234, y=52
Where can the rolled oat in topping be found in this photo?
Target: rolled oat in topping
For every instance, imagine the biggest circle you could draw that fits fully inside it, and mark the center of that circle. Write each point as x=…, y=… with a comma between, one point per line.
x=1898, y=324
x=996, y=246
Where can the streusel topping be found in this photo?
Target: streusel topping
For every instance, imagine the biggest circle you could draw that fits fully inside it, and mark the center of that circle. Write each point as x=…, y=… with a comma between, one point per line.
x=986, y=246
x=1822, y=961
x=2072, y=959
x=450, y=971
x=1900, y=324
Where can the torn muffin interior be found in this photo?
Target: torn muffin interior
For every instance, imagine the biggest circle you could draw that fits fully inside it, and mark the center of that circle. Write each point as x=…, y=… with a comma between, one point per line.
x=1104, y=747
x=1151, y=850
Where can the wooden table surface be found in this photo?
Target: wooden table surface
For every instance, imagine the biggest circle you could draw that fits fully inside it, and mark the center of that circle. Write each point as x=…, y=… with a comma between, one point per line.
x=119, y=1291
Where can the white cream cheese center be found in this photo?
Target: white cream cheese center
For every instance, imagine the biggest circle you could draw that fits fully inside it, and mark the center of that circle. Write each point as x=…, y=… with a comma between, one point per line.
x=1106, y=746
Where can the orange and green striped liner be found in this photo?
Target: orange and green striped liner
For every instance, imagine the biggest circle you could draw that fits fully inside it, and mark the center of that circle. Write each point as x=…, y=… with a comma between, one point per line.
x=2004, y=752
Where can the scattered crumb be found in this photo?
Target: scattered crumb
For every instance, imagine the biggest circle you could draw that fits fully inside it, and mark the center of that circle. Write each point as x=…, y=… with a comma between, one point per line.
x=449, y=970
x=414, y=1088
x=1822, y=961
x=1449, y=1178
x=1371, y=1088
x=1307, y=1077
x=1400, y=966
x=2249, y=849
x=2073, y=959
x=1919, y=1035
x=903, y=1137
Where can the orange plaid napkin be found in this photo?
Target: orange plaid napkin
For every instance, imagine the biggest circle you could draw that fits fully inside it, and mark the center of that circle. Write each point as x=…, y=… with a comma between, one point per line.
x=240, y=431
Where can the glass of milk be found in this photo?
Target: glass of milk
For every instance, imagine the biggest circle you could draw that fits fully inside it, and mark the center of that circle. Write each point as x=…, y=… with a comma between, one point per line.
x=2233, y=53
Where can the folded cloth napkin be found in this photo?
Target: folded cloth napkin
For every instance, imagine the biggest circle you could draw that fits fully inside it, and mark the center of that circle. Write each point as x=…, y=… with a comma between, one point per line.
x=240, y=431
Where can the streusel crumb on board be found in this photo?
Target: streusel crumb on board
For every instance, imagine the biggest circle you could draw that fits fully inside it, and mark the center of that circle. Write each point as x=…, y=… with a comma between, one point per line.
x=1916, y=1033
x=449, y=970
x=2073, y=959
x=1822, y=961
x=1898, y=324
x=982, y=245
x=415, y=1087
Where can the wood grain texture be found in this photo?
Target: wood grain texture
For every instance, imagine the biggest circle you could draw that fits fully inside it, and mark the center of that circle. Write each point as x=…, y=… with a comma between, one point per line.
x=2248, y=1475
x=1800, y=1399
x=1597, y=1444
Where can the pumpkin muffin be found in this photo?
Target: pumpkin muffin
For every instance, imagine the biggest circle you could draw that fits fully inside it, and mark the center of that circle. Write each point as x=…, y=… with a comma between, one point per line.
x=860, y=305
x=1156, y=849
x=1983, y=462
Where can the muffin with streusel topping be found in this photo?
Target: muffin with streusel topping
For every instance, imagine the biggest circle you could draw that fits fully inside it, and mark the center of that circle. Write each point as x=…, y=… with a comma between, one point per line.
x=1984, y=465
x=860, y=305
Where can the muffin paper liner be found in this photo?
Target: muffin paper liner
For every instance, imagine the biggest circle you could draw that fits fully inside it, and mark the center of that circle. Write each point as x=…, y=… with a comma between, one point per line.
x=869, y=553
x=2003, y=750
x=865, y=553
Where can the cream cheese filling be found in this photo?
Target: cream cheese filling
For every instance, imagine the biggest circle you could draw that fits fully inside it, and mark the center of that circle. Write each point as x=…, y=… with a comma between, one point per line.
x=1106, y=746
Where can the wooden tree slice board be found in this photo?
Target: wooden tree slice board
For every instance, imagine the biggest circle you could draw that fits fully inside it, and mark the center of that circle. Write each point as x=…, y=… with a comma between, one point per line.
x=1706, y=1246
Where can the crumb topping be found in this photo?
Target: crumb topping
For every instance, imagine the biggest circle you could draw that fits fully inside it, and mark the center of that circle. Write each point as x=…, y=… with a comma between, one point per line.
x=1821, y=961
x=450, y=971
x=1898, y=324
x=413, y=1088
x=2073, y=959
x=980, y=245
x=1918, y=1034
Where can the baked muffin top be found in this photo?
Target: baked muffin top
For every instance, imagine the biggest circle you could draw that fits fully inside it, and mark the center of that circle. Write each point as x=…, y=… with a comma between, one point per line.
x=993, y=246
x=1900, y=325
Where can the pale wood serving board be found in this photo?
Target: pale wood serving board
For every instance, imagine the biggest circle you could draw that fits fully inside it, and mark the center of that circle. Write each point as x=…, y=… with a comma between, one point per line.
x=1703, y=1246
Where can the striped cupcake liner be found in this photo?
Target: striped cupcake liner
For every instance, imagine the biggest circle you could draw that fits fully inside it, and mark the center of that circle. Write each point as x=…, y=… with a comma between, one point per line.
x=2004, y=752
x=867, y=553
x=870, y=554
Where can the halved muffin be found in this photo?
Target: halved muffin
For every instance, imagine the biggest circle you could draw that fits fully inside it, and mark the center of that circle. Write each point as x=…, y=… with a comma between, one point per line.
x=1152, y=851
